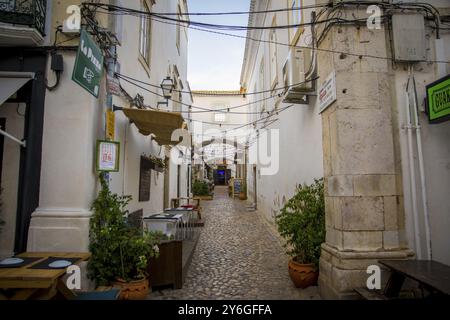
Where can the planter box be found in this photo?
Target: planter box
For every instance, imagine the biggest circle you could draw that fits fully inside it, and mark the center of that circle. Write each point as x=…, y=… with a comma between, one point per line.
x=158, y=168
x=167, y=269
x=206, y=198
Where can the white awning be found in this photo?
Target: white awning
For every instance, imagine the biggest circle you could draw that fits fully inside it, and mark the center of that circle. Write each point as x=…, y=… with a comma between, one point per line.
x=11, y=82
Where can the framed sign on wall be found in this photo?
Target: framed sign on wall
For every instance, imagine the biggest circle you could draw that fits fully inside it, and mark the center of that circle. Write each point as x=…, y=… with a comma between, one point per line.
x=107, y=156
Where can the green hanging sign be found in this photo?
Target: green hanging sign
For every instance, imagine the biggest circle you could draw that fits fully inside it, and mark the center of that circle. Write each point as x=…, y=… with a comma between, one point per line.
x=438, y=100
x=88, y=68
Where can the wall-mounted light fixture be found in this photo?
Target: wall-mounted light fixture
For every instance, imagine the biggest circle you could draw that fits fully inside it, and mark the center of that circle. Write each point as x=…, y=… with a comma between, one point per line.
x=167, y=86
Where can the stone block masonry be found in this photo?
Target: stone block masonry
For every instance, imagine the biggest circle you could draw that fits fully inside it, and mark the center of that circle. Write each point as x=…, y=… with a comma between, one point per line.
x=364, y=215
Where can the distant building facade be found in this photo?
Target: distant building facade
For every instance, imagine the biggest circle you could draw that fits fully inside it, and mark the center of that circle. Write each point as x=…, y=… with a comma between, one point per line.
x=219, y=145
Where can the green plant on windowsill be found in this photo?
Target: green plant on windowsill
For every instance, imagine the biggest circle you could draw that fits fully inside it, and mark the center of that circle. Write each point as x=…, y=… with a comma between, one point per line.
x=302, y=223
x=119, y=251
x=158, y=162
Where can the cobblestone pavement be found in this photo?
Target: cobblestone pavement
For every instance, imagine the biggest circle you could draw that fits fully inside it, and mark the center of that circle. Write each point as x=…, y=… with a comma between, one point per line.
x=238, y=257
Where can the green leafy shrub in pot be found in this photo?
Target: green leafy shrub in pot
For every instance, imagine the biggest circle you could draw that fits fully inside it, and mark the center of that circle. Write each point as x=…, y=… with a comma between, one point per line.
x=118, y=250
x=200, y=188
x=302, y=223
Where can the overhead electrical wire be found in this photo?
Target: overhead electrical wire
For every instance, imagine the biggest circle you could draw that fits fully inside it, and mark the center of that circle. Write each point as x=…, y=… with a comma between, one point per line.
x=191, y=106
x=360, y=55
x=205, y=27
x=241, y=12
x=215, y=94
x=239, y=126
x=207, y=110
x=189, y=24
x=130, y=11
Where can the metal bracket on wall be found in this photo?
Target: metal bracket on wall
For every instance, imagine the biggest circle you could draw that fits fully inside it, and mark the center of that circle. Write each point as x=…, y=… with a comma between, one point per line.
x=6, y=134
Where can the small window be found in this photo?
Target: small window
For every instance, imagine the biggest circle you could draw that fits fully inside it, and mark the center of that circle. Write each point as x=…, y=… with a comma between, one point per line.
x=179, y=15
x=145, y=35
x=296, y=14
x=220, y=117
x=261, y=88
x=295, y=18
x=273, y=56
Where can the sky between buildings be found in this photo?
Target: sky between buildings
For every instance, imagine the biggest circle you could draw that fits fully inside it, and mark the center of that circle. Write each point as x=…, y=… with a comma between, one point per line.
x=215, y=61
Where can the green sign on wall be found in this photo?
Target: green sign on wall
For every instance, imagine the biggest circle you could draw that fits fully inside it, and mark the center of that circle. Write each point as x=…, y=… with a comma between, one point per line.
x=438, y=100
x=88, y=68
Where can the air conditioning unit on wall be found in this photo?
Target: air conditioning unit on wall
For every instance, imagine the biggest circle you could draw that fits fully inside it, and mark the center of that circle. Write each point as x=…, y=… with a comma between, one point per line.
x=296, y=72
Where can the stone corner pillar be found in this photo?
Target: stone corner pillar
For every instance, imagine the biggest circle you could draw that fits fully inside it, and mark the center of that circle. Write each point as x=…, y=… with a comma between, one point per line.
x=69, y=182
x=363, y=183
x=59, y=229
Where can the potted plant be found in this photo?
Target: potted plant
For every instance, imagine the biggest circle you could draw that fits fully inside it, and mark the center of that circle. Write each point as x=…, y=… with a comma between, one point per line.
x=120, y=253
x=159, y=164
x=135, y=252
x=302, y=223
x=200, y=188
x=243, y=193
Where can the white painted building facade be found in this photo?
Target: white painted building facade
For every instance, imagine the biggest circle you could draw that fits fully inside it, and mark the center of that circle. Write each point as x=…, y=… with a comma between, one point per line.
x=376, y=202
x=298, y=155
x=74, y=120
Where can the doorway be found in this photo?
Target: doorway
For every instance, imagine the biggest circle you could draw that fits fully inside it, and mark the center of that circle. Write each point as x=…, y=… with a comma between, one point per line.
x=166, y=203
x=178, y=181
x=12, y=120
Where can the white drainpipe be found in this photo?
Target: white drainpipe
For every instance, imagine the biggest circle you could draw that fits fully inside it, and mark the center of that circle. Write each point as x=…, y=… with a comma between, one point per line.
x=412, y=175
x=6, y=134
x=422, y=171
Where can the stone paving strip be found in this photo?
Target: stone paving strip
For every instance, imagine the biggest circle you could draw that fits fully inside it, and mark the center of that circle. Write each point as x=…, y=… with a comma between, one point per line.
x=238, y=257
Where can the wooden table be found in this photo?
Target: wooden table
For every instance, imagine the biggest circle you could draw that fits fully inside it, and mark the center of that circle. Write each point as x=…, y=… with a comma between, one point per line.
x=176, y=202
x=42, y=284
x=432, y=275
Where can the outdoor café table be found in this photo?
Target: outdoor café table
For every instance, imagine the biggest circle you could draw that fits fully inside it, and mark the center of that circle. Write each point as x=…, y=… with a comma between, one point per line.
x=432, y=275
x=176, y=201
x=165, y=222
x=26, y=282
x=186, y=219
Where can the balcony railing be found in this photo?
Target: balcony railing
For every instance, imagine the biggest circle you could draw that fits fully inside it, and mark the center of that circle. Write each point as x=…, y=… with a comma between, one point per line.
x=24, y=12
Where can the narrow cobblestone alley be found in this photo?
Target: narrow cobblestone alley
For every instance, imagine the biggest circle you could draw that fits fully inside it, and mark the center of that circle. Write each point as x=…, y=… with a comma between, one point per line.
x=238, y=256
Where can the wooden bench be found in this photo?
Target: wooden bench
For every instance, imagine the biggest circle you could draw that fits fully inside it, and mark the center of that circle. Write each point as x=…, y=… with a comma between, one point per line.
x=371, y=294
x=431, y=276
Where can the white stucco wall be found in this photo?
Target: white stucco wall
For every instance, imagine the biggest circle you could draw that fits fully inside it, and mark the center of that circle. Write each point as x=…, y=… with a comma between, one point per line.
x=300, y=129
x=436, y=149
x=74, y=120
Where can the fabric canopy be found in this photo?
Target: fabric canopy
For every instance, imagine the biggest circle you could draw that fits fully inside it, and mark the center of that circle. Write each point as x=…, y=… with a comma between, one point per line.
x=159, y=123
x=11, y=82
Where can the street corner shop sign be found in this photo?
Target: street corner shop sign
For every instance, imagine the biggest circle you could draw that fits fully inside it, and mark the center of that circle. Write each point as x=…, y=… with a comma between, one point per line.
x=88, y=68
x=438, y=100
x=327, y=92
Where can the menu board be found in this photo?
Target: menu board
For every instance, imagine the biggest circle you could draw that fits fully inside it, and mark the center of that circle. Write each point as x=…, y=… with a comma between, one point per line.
x=107, y=157
x=237, y=186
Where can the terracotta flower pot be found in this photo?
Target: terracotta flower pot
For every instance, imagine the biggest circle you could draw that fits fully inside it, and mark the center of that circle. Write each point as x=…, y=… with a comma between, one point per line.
x=303, y=275
x=133, y=290
x=242, y=196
